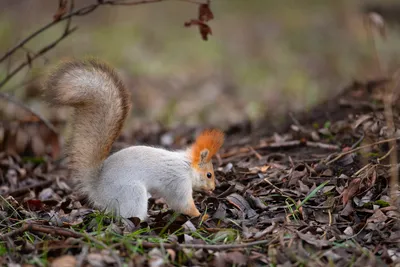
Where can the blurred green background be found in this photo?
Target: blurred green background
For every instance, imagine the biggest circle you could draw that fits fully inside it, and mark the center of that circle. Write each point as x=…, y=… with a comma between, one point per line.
x=263, y=55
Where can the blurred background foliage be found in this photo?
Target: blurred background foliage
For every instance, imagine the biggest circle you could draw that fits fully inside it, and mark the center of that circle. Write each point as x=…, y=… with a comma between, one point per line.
x=263, y=55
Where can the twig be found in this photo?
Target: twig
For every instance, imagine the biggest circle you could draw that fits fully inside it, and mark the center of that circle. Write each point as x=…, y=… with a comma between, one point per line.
x=205, y=246
x=38, y=54
x=57, y=231
x=258, y=156
x=31, y=55
x=25, y=189
x=69, y=20
x=9, y=98
x=274, y=186
x=322, y=145
x=295, y=143
x=356, y=144
x=80, y=12
x=31, y=227
x=361, y=147
x=386, y=155
x=352, y=147
x=318, y=207
x=361, y=170
x=280, y=145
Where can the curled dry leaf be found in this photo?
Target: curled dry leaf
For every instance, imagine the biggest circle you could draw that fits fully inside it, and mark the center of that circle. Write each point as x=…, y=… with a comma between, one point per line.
x=242, y=204
x=351, y=190
x=310, y=239
x=205, y=13
x=204, y=29
x=296, y=175
x=377, y=217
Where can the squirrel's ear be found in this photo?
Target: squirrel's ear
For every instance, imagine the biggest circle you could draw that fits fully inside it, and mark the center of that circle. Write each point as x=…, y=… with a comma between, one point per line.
x=206, y=146
x=204, y=156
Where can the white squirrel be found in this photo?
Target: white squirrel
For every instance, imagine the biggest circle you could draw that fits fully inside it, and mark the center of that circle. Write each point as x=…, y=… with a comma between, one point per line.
x=124, y=181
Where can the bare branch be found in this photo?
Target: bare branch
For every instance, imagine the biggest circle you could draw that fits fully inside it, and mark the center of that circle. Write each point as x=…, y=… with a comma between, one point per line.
x=31, y=56
x=9, y=98
x=58, y=231
x=80, y=12
x=38, y=54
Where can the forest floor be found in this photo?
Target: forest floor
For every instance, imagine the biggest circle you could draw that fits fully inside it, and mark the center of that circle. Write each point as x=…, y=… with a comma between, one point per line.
x=313, y=191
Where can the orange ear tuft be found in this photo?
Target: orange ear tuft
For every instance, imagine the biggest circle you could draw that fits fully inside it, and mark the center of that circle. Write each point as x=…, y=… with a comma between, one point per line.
x=210, y=140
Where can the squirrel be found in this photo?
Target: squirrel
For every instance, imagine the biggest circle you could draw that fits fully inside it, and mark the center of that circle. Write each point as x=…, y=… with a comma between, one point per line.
x=123, y=182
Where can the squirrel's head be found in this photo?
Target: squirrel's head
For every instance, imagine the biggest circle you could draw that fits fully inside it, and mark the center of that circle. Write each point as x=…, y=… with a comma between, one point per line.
x=206, y=146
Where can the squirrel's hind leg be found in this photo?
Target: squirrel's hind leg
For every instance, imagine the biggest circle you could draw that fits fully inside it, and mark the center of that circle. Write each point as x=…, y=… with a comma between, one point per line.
x=132, y=201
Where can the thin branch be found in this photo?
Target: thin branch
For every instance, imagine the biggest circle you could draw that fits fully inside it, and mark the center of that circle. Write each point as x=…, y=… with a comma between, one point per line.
x=9, y=98
x=86, y=9
x=38, y=54
x=58, y=231
x=205, y=246
x=32, y=55
x=25, y=189
x=361, y=147
x=71, y=8
x=277, y=145
x=31, y=227
x=80, y=12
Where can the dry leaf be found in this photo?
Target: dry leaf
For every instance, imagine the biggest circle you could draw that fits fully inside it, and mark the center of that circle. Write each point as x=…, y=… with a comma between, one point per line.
x=205, y=13
x=351, y=190
x=64, y=261
x=204, y=29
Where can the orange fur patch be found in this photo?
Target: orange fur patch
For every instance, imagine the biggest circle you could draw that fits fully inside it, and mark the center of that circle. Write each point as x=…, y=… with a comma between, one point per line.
x=212, y=140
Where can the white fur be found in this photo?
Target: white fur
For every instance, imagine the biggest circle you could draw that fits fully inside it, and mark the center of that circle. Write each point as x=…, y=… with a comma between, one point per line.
x=129, y=177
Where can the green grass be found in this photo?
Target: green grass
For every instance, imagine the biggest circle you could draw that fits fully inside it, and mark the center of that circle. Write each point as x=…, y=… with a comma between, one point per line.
x=294, y=208
x=3, y=249
x=98, y=223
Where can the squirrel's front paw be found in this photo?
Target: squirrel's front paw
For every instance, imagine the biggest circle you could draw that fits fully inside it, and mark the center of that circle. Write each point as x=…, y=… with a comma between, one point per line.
x=196, y=213
x=192, y=211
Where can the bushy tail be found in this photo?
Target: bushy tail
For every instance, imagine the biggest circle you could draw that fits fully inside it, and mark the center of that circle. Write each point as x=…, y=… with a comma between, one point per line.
x=101, y=104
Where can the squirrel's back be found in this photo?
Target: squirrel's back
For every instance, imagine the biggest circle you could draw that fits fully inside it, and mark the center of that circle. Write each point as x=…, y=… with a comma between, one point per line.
x=101, y=104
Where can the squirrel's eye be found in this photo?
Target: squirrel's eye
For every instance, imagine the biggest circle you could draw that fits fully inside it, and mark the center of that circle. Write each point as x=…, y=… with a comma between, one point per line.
x=209, y=175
